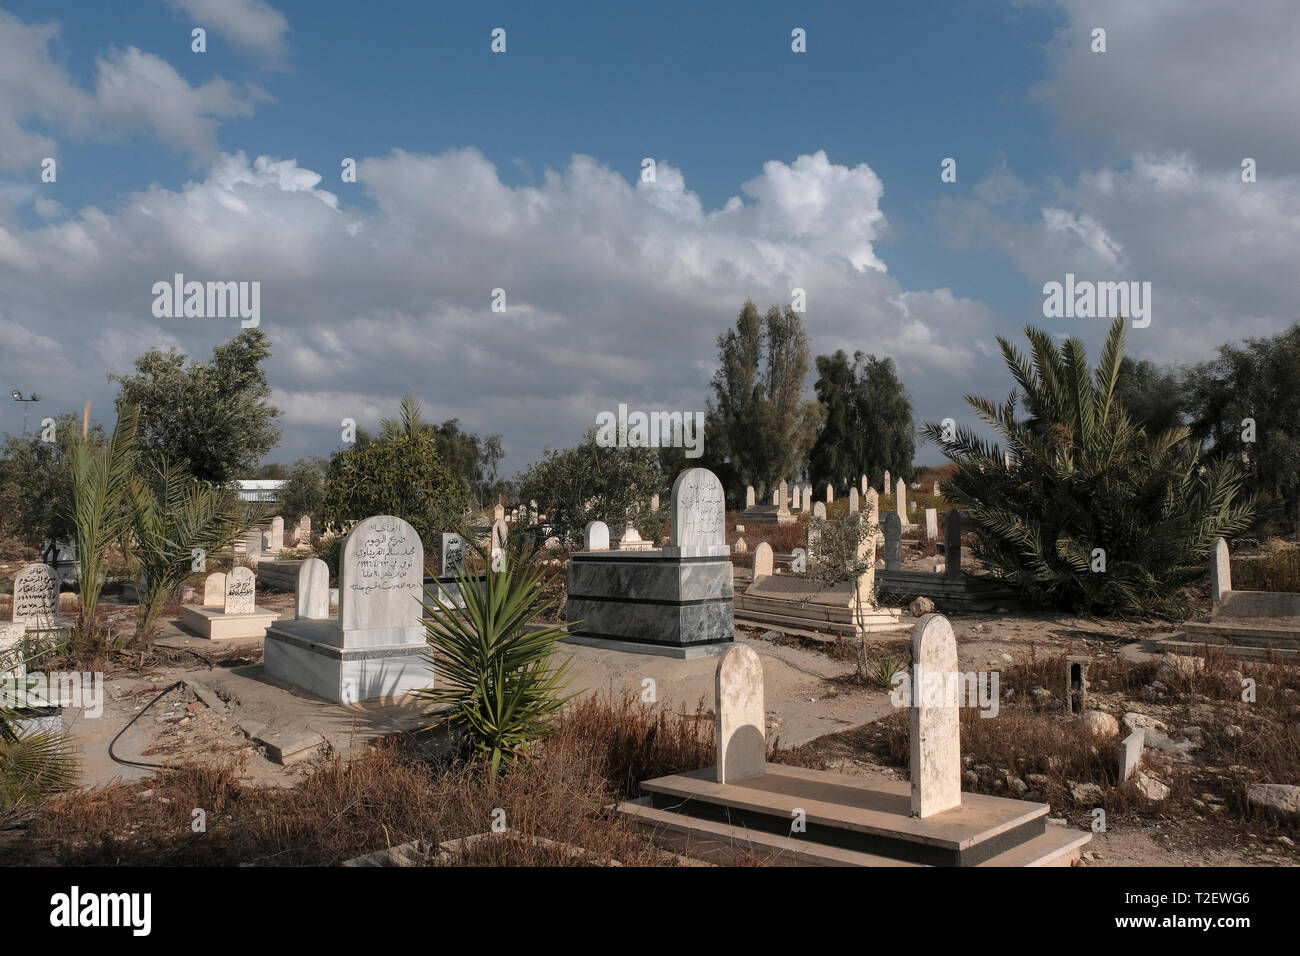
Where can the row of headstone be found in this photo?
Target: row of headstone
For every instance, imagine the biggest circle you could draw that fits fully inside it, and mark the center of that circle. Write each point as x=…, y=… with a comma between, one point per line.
x=740, y=727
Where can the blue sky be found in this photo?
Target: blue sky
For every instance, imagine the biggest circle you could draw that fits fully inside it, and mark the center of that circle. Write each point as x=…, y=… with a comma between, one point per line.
x=520, y=170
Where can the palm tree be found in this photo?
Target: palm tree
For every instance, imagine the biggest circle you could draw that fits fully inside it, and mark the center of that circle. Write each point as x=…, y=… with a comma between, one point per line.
x=1094, y=514
x=172, y=514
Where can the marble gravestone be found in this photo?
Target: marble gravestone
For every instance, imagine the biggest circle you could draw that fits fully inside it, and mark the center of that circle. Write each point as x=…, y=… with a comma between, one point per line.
x=934, y=724
x=784, y=489
x=763, y=562
x=312, y=595
x=796, y=498
x=740, y=718
x=893, y=542
x=830, y=494
x=277, y=534
x=241, y=591
x=1220, y=572
x=376, y=647
x=302, y=532
x=749, y=496
x=596, y=536
x=214, y=590
x=253, y=544
x=900, y=500
x=451, y=557
x=36, y=597
x=873, y=507
x=887, y=486
x=853, y=501
x=674, y=601
x=952, y=544
x=865, y=486
x=776, y=498
x=931, y=524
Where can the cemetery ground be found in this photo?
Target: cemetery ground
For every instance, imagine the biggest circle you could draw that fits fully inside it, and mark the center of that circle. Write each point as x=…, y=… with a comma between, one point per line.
x=288, y=779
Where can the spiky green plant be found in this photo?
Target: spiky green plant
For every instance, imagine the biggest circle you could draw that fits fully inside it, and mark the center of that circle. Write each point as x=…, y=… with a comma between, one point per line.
x=1094, y=515
x=493, y=676
x=100, y=475
x=172, y=514
x=33, y=764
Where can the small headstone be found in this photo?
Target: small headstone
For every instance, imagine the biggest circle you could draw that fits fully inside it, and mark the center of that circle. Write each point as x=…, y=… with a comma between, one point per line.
x=451, y=558
x=749, y=496
x=241, y=591
x=830, y=494
x=893, y=542
x=931, y=524
x=784, y=489
x=853, y=501
x=864, y=484
x=740, y=715
x=887, y=485
x=873, y=507
x=762, y=560
x=819, y=510
x=214, y=590
x=276, y=541
x=952, y=544
x=630, y=539
x=1130, y=753
x=935, y=490
x=796, y=503
x=699, y=510
x=934, y=725
x=36, y=595
x=312, y=598
x=776, y=497
x=738, y=546
x=900, y=500
x=596, y=536
x=253, y=543
x=1220, y=572
x=654, y=501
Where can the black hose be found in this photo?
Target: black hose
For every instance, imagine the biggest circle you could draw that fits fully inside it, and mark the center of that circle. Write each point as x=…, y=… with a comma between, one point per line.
x=139, y=763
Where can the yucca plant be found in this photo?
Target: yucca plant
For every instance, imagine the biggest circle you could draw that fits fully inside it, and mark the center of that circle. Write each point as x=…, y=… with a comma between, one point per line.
x=1094, y=515
x=100, y=476
x=172, y=513
x=493, y=676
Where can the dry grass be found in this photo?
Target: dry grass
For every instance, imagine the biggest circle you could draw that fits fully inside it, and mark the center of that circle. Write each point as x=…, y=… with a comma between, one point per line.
x=385, y=796
x=1279, y=571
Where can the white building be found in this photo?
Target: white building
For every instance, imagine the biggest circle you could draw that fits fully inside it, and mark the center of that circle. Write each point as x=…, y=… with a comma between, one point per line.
x=260, y=489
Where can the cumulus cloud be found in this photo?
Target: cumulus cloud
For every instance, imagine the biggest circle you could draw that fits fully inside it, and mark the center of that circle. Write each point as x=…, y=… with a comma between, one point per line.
x=615, y=291
x=133, y=90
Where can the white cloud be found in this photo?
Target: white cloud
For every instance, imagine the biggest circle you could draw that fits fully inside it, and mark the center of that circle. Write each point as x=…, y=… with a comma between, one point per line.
x=133, y=91
x=615, y=292
x=253, y=26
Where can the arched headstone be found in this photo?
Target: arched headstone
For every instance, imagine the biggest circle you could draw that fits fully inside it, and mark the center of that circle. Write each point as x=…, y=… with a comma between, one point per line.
x=934, y=725
x=762, y=560
x=699, y=511
x=900, y=500
x=214, y=590
x=36, y=595
x=381, y=574
x=241, y=591
x=1220, y=572
x=312, y=597
x=749, y=496
x=853, y=501
x=740, y=728
x=596, y=537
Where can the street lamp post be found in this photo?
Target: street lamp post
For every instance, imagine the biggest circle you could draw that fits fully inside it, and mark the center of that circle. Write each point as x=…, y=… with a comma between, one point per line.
x=18, y=397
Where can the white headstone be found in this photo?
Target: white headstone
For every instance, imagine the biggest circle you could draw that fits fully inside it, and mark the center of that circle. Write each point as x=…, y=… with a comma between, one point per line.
x=864, y=485
x=935, y=727
x=741, y=719
x=900, y=500
x=629, y=539
x=796, y=499
x=277, y=534
x=36, y=595
x=699, y=510
x=241, y=591
x=887, y=486
x=776, y=497
x=935, y=489
x=312, y=598
x=451, y=560
x=853, y=501
x=654, y=501
x=1220, y=572
x=931, y=524
x=1130, y=753
x=381, y=574
x=597, y=536
x=830, y=494
x=785, y=493
x=253, y=544
x=749, y=496
x=302, y=533
x=762, y=560
x=873, y=507
x=214, y=590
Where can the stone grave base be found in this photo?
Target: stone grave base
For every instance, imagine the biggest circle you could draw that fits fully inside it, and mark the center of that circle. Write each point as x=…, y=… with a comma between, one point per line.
x=1246, y=625
x=689, y=652
x=216, y=625
x=851, y=821
x=766, y=514
x=663, y=598
x=792, y=601
x=311, y=655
